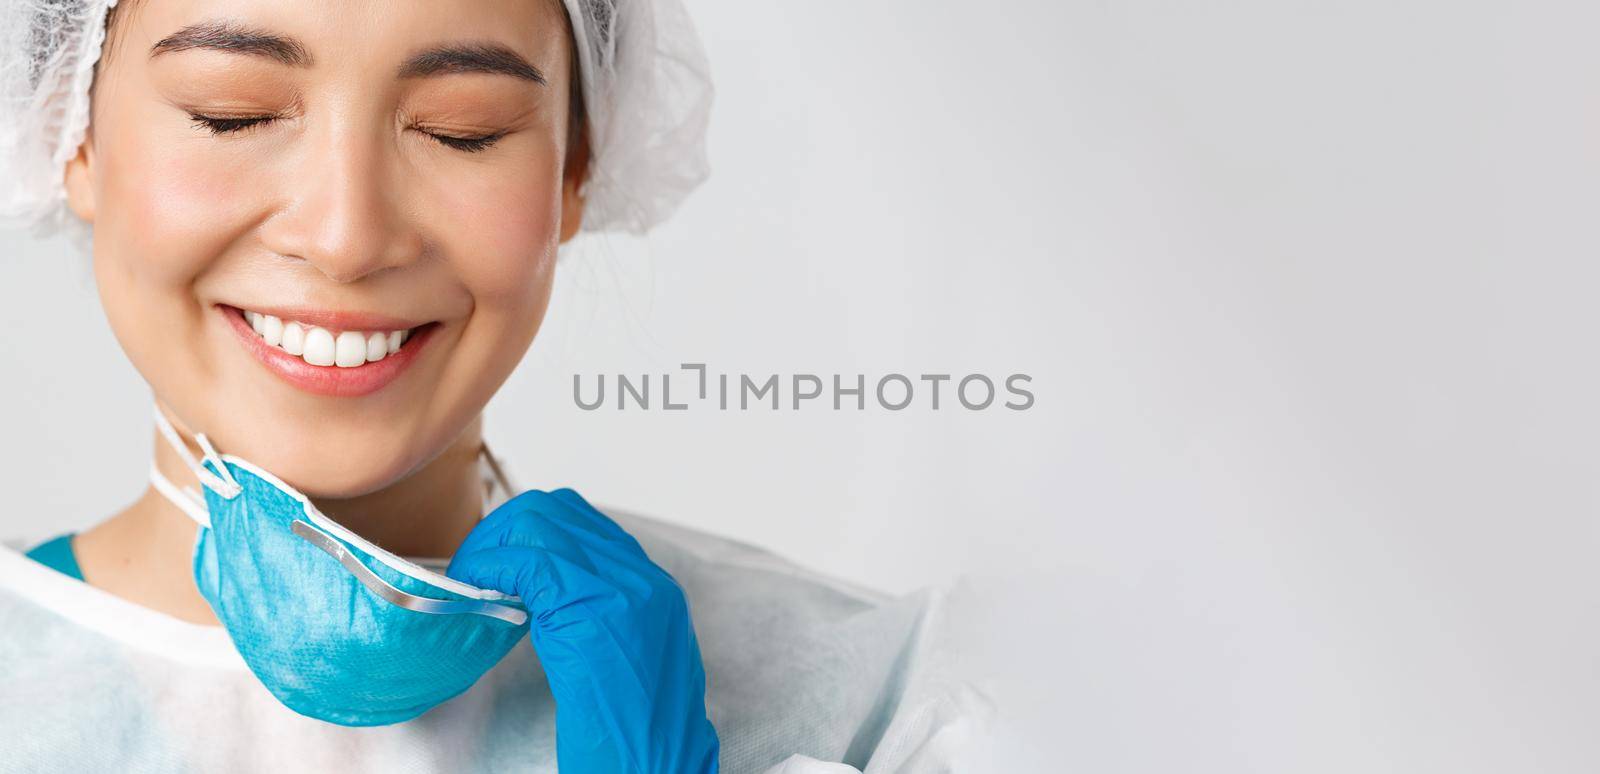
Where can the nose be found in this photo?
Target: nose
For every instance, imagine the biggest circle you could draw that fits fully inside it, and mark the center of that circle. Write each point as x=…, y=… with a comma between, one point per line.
x=343, y=207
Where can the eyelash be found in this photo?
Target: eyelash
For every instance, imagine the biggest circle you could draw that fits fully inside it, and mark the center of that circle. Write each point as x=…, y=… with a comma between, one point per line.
x=220, y=126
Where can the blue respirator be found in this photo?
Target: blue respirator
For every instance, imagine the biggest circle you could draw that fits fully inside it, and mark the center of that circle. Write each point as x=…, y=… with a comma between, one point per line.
x=335, y=627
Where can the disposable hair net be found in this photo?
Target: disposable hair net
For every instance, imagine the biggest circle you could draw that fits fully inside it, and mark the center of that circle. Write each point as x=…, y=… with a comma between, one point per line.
x=646, y=87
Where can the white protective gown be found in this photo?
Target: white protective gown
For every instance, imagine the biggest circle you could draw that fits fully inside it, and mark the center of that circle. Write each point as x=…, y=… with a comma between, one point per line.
x=805, y=675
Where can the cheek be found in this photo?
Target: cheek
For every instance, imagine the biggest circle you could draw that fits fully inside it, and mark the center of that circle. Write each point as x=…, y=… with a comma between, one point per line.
x=172, y=206
x=162, y=218
x=509, y=227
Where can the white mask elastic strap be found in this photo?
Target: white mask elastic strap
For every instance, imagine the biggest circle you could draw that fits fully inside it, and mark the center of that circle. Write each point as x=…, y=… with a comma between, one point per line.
x=224, y=485
x=187, y=500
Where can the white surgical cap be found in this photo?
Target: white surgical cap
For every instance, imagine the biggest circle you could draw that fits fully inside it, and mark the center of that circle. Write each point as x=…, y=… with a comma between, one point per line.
x=646, y=88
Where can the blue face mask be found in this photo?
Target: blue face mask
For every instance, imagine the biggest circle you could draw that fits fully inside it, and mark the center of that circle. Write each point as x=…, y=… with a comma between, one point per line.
x=335, y=627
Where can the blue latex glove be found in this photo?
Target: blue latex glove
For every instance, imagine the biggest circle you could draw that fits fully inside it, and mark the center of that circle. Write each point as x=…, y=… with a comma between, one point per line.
x=611, y=628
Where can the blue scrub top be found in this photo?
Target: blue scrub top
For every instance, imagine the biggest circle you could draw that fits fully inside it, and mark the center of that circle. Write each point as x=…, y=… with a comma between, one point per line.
x=56, y=553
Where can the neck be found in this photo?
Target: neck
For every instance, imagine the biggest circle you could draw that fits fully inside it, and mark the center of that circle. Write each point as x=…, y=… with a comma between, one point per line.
x=426, y=514
x=143, y=554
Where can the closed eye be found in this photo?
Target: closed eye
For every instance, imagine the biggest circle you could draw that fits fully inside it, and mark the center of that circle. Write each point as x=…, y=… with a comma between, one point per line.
x=228, y=125
x=220, y=126
x=468, y=144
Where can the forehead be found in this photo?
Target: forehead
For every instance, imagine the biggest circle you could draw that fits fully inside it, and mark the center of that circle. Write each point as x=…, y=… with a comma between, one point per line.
x=526, y=39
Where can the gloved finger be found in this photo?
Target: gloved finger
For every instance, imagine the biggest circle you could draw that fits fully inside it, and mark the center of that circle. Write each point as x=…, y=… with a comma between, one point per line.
x=578, y=514
x=605, y=565
x=539, y=518
x=531, y=519
x=551, y=584
x=492, y=531
x=591, y=513
x=514, y=570
x=618, y=649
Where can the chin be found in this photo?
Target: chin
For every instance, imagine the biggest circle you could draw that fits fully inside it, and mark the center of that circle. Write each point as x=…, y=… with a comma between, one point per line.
x=327, y=482
x=336, y=463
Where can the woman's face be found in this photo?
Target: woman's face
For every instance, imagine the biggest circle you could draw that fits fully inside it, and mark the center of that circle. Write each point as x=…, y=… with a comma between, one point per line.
x=354, y=175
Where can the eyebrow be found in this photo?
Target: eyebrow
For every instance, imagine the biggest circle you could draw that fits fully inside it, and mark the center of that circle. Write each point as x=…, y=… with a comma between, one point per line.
x=234, y=38
x=465, y=57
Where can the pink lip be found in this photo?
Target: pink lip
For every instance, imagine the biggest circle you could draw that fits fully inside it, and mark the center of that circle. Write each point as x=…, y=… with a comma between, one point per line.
x=332, y=380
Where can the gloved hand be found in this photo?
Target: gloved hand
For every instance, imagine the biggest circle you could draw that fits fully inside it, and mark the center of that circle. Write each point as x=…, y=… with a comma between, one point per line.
x=611, y=628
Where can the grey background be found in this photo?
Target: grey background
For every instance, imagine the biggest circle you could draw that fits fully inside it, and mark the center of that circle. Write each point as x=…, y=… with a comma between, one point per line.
x=1307, y=293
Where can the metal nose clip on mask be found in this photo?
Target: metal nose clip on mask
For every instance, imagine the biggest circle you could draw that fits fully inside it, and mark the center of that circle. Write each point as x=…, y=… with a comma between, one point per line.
x=335, y=627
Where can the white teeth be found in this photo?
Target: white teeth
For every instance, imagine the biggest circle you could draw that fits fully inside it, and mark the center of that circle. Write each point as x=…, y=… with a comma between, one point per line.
x=294, y=339
x=350, y=350
x=377, y=347
x=321, y=347
x=272, y=330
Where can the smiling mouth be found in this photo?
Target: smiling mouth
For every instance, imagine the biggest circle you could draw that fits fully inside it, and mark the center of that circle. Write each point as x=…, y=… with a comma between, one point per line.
x=320, y=346
x=329, y=353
